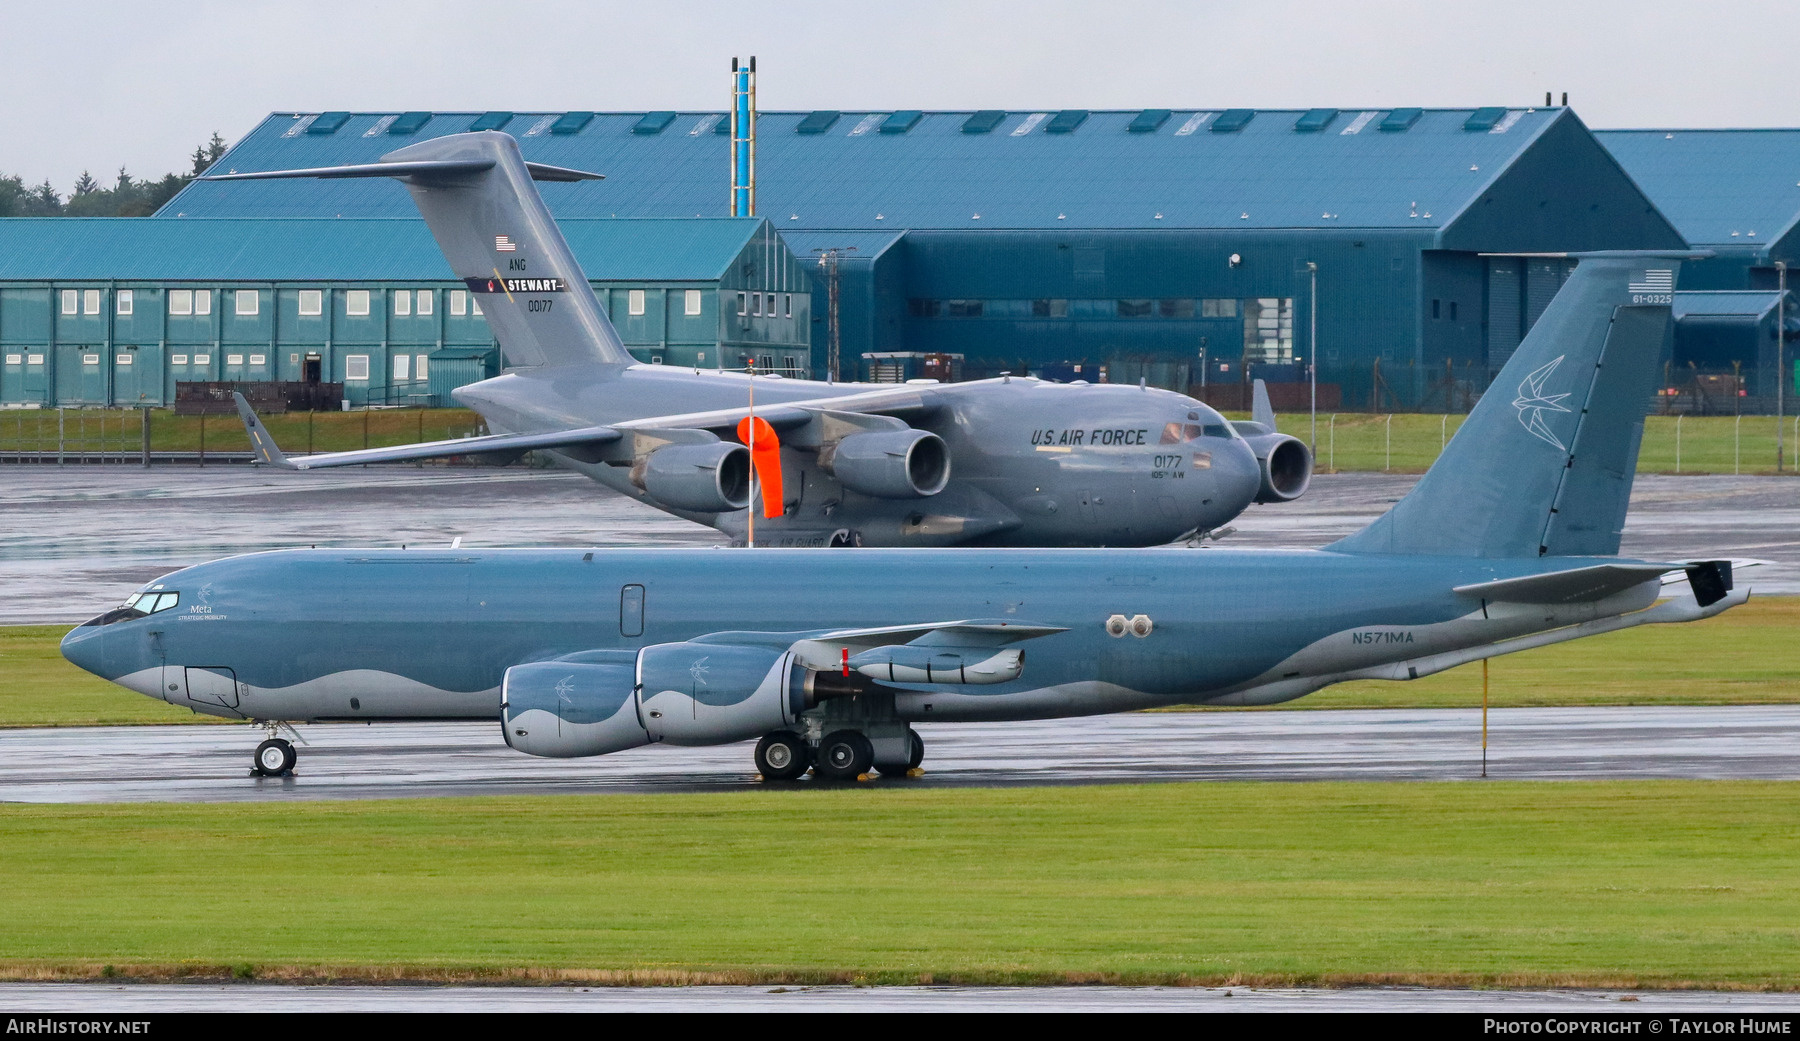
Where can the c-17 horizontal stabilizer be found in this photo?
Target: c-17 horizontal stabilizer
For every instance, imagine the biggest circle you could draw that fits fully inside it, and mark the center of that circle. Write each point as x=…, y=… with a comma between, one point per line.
x=267, y=451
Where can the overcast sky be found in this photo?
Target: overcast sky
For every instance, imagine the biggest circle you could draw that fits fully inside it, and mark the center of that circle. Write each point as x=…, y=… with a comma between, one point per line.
x=107, y=83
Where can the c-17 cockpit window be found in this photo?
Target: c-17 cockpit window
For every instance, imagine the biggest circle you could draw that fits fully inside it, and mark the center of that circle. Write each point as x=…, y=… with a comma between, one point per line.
x=1176, y=433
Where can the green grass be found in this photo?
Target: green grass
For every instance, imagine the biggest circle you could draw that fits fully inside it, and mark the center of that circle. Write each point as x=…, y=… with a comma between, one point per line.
x=1746, y=656
x=95, y=430
x=1599, y=884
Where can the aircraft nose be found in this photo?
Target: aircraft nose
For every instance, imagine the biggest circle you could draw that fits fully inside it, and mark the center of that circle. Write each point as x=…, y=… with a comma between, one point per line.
x=85, y=646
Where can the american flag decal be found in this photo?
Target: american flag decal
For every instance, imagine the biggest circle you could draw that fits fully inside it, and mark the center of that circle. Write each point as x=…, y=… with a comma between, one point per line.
x=1656, y=280
x=504, y=244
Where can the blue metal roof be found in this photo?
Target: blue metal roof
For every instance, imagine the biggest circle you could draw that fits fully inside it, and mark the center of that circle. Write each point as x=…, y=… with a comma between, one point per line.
x=324, y=249
x=1731, y=188
x=1358, y=172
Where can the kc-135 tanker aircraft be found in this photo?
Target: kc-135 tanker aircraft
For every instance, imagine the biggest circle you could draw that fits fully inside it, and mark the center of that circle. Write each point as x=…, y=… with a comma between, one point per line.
x=1508, y=542
x=1008, y=461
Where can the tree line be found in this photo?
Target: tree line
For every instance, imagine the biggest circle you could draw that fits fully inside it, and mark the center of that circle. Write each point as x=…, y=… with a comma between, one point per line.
x=128, y=196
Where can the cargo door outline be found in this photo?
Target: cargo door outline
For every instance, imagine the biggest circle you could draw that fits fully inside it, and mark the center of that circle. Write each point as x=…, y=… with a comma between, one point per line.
x=212, y=685
x=631, y=611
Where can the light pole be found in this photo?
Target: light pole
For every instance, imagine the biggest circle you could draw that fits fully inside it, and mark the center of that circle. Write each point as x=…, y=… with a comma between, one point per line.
x=1780, y=351
x=1312, y=365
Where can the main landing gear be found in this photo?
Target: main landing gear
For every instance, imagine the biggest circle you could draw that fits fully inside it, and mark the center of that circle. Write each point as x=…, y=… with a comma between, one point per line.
x=275, y=756
x=842, y=755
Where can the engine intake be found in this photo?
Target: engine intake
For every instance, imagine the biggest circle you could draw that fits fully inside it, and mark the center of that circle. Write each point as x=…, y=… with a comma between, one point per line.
x=1287, y=466
x=889, y=464
x=709, y=478
x=563, y=710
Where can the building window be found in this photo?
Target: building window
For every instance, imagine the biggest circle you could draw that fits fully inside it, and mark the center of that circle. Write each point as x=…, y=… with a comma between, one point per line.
x=203, y=301
x=90, y=301
x=634, y=301
x=1269, y=329
x=419, y=366
x=90, y=359
x=692, y=302
x=259, y=359
x=122, y=359
x=767, y=364
x=962, y=308
x=1134, y=308
x=71, y=301
x=202, y=359
x=919, y=307
x=756, y=304
x=123, y=301
x=1049, y=308
x=234, y=359
x=34, y=359
x=356, y=368
x=1434, y=309
x=356, y=302
x=459, y=302
x=425, y=297
x=1222, y=308
x=402, y=365
x=402, y=304
x=1453, y=310
x=15, y=359
x=1175, y=308
x=743, y=303
x=312, y=302
x=475, y=306
x=787, y=305
x=247, y=301
x=177, y=359
x=181, y=301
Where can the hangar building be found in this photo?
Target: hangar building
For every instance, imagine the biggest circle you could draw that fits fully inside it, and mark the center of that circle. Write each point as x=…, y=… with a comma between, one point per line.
x=1167, y=244
x=116, y=311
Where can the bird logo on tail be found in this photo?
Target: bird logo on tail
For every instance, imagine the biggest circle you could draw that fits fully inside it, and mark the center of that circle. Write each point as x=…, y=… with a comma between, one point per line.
x=1532, y=403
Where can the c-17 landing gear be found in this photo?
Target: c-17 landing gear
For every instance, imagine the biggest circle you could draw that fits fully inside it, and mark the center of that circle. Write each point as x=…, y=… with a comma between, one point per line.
x=275, y=756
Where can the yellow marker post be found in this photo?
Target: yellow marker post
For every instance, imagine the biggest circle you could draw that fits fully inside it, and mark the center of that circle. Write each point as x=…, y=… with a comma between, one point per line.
x=1484, y=704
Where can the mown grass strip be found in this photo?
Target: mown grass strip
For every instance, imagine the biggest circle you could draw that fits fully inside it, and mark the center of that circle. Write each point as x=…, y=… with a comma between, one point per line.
x=1743, y=657
x=1603, y=884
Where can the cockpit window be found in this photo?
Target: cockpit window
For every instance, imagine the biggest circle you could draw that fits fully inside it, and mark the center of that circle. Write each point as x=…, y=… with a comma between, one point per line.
x=1177, y=433
x=137, y=605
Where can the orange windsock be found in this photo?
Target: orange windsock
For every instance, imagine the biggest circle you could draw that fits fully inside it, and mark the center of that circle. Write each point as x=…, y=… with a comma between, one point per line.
x=765, y=455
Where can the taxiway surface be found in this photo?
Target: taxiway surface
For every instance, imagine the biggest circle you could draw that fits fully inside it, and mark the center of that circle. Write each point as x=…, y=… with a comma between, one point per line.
x=75, y=540
x=413, y=760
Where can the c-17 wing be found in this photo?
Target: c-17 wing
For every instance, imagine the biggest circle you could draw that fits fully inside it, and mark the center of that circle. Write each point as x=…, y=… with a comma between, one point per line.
x=594, y=439
x=268, y=452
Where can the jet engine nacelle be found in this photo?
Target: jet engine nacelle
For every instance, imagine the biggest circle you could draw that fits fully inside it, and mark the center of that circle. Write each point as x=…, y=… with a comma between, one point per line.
x=564, y=709
x=1287, y=466
x=889, y=464
x=711, y=694
x=708, y=478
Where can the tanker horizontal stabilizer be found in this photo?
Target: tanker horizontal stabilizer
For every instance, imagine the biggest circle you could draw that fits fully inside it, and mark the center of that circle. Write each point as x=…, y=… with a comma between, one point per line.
x=1575, y=586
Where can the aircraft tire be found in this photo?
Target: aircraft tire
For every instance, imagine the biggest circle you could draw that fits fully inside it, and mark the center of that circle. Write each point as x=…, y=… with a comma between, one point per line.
x=913, y=758
x=274, y=757
x=845, y=755
x=782, y=756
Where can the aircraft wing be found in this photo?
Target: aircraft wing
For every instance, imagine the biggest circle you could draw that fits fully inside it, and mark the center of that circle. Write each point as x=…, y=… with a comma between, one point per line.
x=268, y=452
x=826, y=651
x=897, y=402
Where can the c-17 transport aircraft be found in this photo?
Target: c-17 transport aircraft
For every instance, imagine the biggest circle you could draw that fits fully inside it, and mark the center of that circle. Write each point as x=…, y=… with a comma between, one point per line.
x=1008, y=461
x=1508, y=542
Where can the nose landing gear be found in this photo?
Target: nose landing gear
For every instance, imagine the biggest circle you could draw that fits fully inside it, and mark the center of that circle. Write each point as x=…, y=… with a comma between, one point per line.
x=275, y=756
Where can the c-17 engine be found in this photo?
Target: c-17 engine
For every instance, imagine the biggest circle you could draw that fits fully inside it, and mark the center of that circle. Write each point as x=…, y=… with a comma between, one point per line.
x=705, y=478
x=889, y=464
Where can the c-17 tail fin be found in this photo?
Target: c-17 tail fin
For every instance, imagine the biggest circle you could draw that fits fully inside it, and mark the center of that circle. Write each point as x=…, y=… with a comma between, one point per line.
x=1544, y=464
x=475, y=193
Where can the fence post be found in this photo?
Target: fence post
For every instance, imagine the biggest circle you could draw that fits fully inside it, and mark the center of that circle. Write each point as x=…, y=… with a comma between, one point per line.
x=146, y=441
x=1388, y=466
x=59, y=435
x=1737, y=429
x=1443, y=433
x=1331, y=446
x=203, y=439
x=1678, y=418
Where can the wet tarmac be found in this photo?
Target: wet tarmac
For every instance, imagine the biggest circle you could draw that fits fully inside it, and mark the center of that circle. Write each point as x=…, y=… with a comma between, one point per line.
x=95, y=998
x=422, y=760
x=74, y=540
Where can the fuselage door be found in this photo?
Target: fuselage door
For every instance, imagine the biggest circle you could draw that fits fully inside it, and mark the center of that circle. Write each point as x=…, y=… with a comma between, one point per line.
x=631, y=611
x=212, y=686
